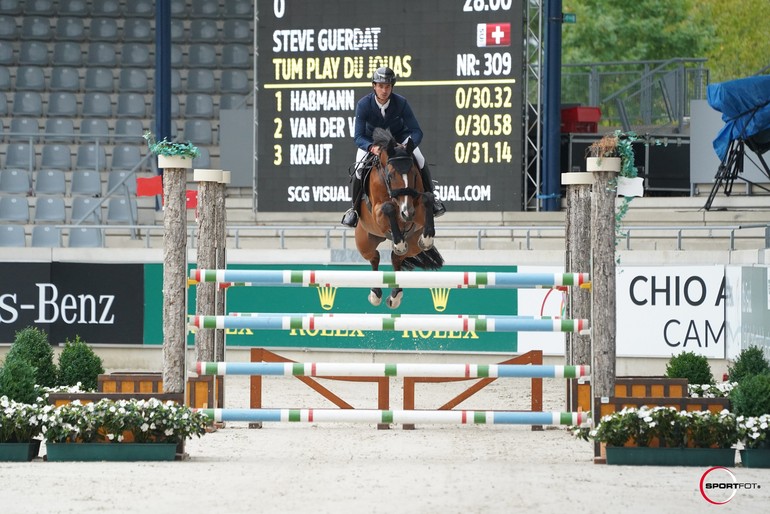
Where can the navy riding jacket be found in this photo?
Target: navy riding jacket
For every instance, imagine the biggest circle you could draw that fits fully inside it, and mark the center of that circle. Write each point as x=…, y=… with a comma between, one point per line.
x=399, y=118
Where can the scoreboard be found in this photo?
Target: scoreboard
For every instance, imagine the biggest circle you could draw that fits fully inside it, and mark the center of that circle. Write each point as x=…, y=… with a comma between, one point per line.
x=460, y=63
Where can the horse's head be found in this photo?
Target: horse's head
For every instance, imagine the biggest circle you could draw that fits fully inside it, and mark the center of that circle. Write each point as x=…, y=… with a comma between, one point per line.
x=400, y=173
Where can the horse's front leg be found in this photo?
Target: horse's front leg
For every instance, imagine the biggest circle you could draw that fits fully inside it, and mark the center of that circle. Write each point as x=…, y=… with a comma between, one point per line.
x=429, y=229
x=396, y=294
x=389, y=210
x=375, y=293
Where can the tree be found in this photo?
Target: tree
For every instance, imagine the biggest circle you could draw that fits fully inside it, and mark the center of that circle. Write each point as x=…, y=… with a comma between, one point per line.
x=619, y=30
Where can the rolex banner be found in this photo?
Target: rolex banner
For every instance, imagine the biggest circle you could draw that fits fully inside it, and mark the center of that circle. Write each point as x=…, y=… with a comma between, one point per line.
x=332, y=300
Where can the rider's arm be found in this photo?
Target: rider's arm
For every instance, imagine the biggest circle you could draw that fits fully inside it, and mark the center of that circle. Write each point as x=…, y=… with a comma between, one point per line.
x=362, y=139
x=415, y=132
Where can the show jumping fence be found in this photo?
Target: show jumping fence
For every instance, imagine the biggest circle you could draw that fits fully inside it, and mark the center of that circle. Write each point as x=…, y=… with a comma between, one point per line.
x=266, y=363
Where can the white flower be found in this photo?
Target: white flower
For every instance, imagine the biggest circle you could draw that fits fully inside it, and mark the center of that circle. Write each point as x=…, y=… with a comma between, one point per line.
x=145, y=427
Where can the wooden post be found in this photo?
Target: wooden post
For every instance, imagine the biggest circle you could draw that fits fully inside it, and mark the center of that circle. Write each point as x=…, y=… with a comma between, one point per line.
x=578, y=260
x=208, y=183
x=603, y=323
x=221, y=263
x=174, y=273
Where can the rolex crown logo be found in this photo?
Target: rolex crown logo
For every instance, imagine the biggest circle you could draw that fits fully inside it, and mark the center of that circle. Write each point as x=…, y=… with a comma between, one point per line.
x=326, y=294
x=440, y=297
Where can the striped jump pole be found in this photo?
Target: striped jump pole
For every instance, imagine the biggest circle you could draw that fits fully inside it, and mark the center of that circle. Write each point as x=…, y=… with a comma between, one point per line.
x=463, y=417
x=394, y=322
x=389, y=279
x=367, y=369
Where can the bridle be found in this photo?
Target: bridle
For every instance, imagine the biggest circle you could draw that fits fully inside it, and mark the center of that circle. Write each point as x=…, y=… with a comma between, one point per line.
x=386, y=177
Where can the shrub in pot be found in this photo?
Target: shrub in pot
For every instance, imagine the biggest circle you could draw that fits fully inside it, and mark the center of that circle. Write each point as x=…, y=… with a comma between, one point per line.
x=695, y=368
x=17, y=380
x=752, y=396
x=79, y=364
x=751, y=361
x=31, y=344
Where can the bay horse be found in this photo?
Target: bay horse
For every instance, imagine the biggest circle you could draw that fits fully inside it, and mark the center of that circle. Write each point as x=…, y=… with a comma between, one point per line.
x=395, y=206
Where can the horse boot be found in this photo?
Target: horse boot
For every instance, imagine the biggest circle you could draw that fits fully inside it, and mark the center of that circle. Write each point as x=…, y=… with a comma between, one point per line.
x=427, y=184
x=350, y=218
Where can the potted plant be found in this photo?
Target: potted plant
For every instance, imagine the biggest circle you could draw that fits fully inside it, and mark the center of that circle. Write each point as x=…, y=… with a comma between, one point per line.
x=20, y=425
x=119, y=430
x=172, y=154
x=665, y=436
x=754, y=432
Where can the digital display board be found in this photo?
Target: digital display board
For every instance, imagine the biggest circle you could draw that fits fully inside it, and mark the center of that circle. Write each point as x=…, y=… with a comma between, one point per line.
x=459, y=63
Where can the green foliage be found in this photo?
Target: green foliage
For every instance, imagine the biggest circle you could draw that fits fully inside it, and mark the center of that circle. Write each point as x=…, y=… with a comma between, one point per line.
x=79, y=363
x=31, y=345
x=695, y=368
x=752, y=396
x=751, y=361
x=17, y=380
x=169, y=148
x=643, y=30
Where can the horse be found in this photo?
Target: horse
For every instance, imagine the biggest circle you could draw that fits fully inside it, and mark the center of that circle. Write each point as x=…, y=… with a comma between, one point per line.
x=396, y=207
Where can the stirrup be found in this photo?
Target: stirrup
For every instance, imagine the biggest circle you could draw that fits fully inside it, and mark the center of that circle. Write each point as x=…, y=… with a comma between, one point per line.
x=350, y=218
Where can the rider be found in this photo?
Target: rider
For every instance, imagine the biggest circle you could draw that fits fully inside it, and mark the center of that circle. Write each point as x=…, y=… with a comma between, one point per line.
x=384, y=109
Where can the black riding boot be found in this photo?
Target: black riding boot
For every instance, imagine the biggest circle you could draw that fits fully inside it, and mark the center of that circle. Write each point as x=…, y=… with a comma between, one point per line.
x=427, y=184
x=350, y=218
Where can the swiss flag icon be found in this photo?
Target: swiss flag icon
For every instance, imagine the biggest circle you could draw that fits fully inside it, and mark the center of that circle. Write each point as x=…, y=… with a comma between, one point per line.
x=493, y=34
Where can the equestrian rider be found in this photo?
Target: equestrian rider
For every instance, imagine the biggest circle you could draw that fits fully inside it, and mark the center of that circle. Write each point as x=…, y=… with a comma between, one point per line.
x=385, y=109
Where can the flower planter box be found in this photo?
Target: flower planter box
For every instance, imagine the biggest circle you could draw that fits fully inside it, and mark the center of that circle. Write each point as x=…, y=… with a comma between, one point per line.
x=630, y=387
x=637, y=456
x=755, y=457
x=63, y=452
x=205, y=392
x=19, y=452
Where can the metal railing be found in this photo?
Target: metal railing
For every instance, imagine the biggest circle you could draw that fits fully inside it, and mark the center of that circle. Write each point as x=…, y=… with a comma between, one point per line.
x=482, y=235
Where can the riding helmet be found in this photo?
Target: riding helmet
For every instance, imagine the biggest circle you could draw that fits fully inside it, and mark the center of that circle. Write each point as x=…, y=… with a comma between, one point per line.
x=384, y=75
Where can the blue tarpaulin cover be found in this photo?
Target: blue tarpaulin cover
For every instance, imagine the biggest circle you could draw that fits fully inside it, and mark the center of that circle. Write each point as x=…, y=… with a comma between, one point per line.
x=745, y=108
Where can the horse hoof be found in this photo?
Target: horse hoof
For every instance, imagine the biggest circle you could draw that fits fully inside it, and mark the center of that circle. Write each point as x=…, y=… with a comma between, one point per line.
x=425, y=243
x=401, y=248
x=374, y=298
x=394, y=302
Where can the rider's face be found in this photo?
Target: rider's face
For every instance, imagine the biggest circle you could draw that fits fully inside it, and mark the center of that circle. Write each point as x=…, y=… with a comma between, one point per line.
x=382, y=91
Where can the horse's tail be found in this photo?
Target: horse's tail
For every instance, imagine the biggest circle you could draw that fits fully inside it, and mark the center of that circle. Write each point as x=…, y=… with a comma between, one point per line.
x=427, y=260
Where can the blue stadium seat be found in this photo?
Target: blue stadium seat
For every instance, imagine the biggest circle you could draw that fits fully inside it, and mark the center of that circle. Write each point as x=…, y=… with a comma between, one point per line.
x=86, y=183
x=133, y=80
x=125, y=157
x=86, y=237
x=12, y=236
x=121, y=210
x=15, y=182
x=74, y=8
x=59, y=129
x=205, y=9
x=24, y=129
x=86, y=209
x=204, y=30
x=56, y=156
x=20, y=156
x=101, y=54
x=36, y=27
x=14, y=209
x=64, y=78
x=46, y=236
x=30, y=78
x=199, y=105
x=237, y=31
x=50, y=182
x=136, y=54
x=140, y=8
x=138, y=29
x=103, y=29
x=131, y=105
x=27, y=103
x=97, y=105
x=235, y=81
x=62, y=103
x=111, y=8
x=128, y=130
x=8, y=28
x=50, y=209
x=201, y=81
x=33, y=53
x=91, y=157
x=202, y=55
x=99, y=79
x=95, y=129
x=7, y=53
x=199, y=131
x=39, y=7
x=236, y=55
x=67, y=53
x=70, y=28
x=239, y=9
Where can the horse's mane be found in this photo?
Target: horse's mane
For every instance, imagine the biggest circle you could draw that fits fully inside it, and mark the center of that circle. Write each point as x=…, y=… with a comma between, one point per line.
x=382, y=137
